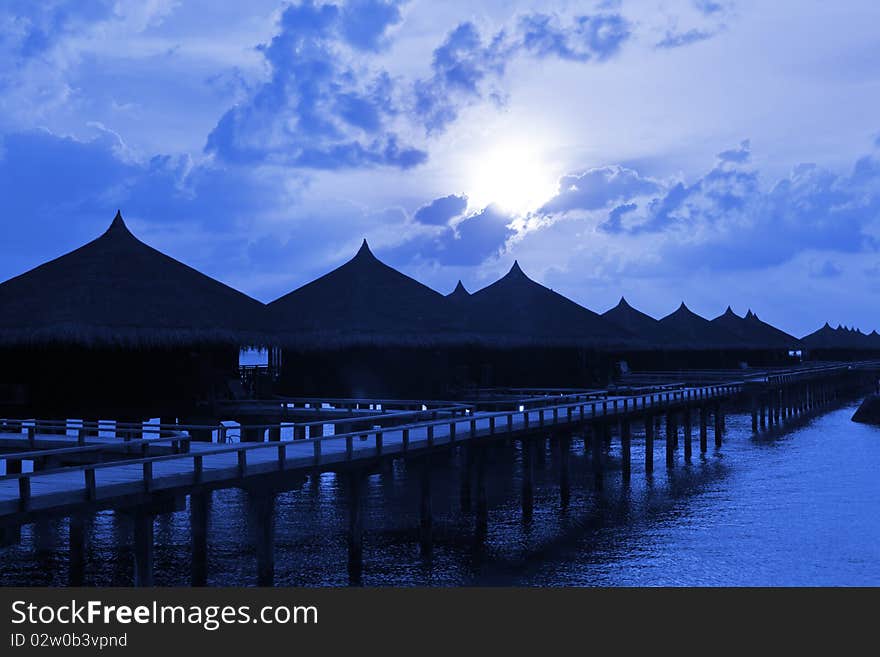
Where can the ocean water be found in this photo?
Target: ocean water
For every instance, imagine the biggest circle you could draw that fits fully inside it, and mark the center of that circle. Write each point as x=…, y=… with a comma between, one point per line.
x=798, y=507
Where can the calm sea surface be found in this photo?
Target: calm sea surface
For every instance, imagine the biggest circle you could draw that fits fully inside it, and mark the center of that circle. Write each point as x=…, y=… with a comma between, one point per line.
x=800, y=507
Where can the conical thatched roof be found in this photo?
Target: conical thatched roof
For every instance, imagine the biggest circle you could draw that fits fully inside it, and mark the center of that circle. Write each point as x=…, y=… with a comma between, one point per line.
x=362, y=302
x=840, y=338
x=647, y=330
x=753, y=332
x=517, y=310
x=698, y=332
x=116, y=290
x=459, y=293
x=823, y=338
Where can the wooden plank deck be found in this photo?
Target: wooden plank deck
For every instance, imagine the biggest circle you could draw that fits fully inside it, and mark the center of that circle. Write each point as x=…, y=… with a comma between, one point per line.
x=230, y=466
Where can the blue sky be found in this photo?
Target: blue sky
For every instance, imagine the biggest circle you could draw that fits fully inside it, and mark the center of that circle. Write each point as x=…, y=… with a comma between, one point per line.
x=717, y=152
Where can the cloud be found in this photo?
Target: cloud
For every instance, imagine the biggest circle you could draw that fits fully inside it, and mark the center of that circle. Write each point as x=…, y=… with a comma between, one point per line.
x=467, y=61
x=726, y=219
x=708, y=7
x=679, y=39
x=459, y=66
x=320, y=109
x=468, y=242
x=596, y=188
x=614, y=224
x=598, y=36
x=442, y=210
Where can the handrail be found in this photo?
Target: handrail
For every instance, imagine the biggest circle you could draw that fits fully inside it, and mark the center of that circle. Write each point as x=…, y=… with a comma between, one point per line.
x=661, y=400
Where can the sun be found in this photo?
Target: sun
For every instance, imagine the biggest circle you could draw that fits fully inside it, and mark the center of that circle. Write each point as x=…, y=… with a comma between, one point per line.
x=512, y=174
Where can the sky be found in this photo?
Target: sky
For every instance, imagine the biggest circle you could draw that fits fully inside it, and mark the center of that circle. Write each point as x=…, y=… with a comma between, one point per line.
x=708, y=151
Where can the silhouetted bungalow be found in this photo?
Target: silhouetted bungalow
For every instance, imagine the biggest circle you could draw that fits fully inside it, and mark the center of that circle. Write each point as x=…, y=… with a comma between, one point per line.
x=363, y=329
x=649, y=333
x=763, y=344
x=525, y=334
x=459, y=294
x=702, y=343
x=840, y=344
x=116, y=326
x=655, y=346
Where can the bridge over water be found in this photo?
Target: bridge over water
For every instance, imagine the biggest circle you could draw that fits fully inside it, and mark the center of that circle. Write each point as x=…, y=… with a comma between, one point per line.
x=74, y=469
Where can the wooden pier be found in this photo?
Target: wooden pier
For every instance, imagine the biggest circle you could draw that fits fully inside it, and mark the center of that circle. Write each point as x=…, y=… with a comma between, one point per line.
x=145, y=470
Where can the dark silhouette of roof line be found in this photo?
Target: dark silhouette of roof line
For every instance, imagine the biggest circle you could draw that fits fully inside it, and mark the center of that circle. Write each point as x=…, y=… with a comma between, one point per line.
x=460, y=292
x=118, y=290
x=363, y=301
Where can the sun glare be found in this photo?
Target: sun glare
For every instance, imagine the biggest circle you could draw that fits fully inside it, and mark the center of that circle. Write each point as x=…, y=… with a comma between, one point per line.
x=513, y=175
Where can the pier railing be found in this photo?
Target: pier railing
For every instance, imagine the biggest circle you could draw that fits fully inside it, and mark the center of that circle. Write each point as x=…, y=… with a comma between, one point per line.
x=320, y=451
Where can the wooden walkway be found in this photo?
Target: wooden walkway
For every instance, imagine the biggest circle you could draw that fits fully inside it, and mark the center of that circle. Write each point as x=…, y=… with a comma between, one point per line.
x=61, y=491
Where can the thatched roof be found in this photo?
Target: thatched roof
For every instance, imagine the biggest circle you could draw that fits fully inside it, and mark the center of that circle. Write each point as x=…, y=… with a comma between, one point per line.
x=698, y=332
x=753, y=332
x=459, y=293
x=116, y=290
x=362, y=302
x=515, y=310
x=841, y=338
x=647, y=330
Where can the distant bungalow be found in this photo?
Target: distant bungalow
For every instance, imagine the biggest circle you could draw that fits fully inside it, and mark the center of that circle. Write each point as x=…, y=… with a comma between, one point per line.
x=521, y=333
x=841, y=343
x=362, y=329
x=117, y=327
x=684, y=339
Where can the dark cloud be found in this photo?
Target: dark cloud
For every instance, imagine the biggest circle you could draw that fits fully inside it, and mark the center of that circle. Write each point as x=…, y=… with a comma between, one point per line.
x=363, y=23
x=317, y=111
x=440, y=211
x=679, y=39
x=29, y=28
x=726, y=219
x=598, y=36
x=459, y=65
x=614, y=223
x=708, y=7
x=466, y=60
x=596, y=188
x=737, y=155
x=471, y=241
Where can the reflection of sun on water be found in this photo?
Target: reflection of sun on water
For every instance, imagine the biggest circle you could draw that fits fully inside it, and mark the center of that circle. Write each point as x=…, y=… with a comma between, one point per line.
x=513, y=175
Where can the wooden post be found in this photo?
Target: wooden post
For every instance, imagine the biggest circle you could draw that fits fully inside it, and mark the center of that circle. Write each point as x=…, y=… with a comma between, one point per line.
x=528, y=470
x=482, y=515
x=626, y=448
x=564, y=487
x=275, y=433
x=596, y=447
x=670, y=441
x=261, y=512
x=356, y=480
x=466, y=479
x=762, y=414
x=649, y=444
x=719, y=425
x=427, y=518
x=143, y=547
x=199, y=512
x=704, y=412
x=77, y=553
x=10, y=535
x=688, y=435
